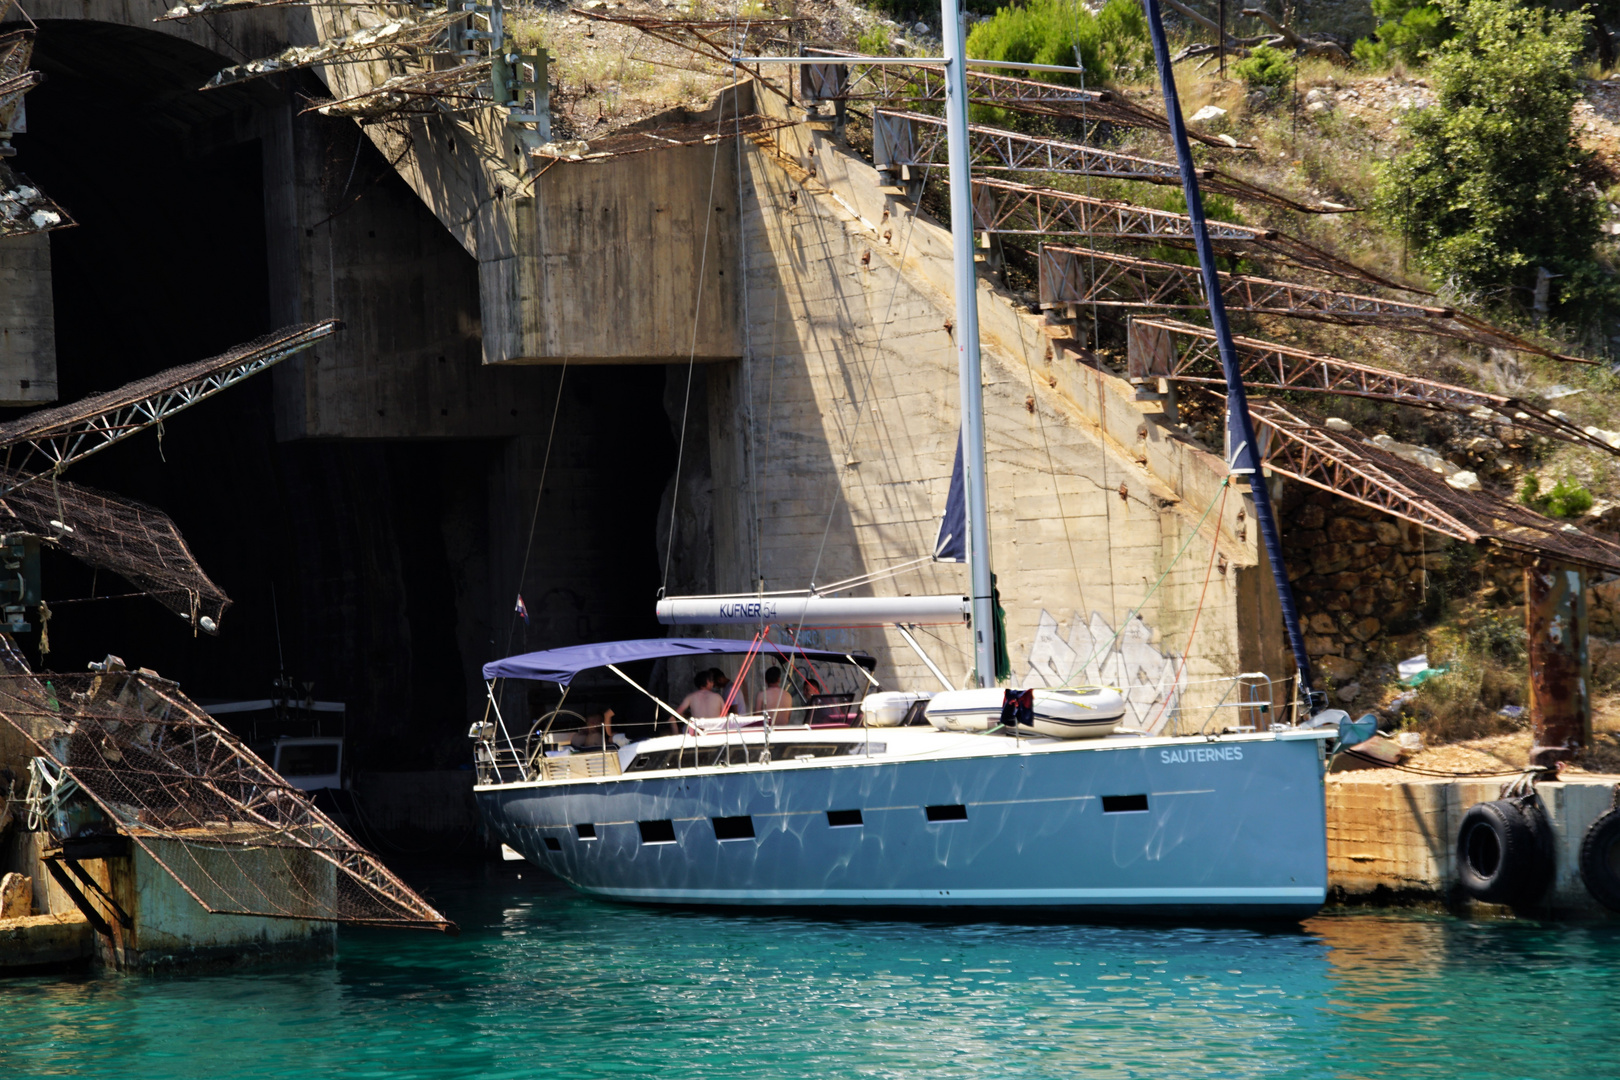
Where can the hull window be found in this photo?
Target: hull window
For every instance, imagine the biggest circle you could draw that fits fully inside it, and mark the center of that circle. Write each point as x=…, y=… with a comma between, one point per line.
x=844, y=819
x=553, y=844
x=585, y=832
x=733, y=828
x=657, y=832
x=953, y=812
x=1125, y=804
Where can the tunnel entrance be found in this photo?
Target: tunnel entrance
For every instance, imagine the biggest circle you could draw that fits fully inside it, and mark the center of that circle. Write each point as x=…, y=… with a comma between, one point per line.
x=382, y=571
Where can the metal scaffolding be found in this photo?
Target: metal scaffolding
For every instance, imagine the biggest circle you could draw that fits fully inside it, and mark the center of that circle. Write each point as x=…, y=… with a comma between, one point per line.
x=1343, y=464
x=43, y=444
x=1271, y=366
x=418, y=34
x=904, y=140
x=1008, y=207
x=716, y=39
x=1078, y=275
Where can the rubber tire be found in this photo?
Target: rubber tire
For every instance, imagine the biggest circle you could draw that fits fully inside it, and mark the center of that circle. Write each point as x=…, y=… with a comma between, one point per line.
x=1600, y=860
x=1499, y=860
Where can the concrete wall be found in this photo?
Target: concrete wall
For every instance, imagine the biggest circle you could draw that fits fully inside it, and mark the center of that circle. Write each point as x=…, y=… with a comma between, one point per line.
x=27, y=321
x=831, y=450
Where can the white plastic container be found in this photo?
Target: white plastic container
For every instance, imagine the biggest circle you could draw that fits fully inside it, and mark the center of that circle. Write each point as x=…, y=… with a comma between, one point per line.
x=889, y=708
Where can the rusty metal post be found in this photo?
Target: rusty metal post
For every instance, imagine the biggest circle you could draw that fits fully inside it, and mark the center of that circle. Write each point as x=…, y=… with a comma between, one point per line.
x=1560, y=666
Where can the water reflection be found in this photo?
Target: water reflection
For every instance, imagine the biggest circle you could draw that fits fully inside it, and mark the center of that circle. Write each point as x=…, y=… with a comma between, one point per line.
x=543, y=982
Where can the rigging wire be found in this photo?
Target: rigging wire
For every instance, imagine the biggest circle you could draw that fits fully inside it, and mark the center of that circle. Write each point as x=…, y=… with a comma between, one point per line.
x=534, y=518
x=1209, y=569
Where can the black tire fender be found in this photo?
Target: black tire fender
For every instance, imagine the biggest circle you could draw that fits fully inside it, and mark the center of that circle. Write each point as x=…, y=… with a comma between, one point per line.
x=1501, y=859
x=1600, y=860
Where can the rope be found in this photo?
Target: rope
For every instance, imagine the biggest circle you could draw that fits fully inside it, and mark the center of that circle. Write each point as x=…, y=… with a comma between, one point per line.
x=534, y=519
x=1099, y=650
x=1439, y=772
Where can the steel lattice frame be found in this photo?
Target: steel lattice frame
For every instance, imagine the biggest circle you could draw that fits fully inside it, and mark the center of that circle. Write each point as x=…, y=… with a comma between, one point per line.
x=1124, y=281
x=46, y=442
x=716, y=39
x=1303, y=450
x=997, y=149
x=416, y=93
x=405, y=37
x=166, y=773
x=1005, y=206
x=1271, y=366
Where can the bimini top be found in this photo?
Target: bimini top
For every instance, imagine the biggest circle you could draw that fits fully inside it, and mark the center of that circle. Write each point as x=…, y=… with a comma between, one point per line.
x=561, y=665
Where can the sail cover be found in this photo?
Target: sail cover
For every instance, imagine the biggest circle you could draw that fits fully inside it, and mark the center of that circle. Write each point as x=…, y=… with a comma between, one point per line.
x=951, y=546
x=561, y=665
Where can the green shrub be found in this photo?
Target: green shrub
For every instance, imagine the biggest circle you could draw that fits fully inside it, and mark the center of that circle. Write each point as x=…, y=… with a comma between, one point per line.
x=1265, y=68
x=873, y=42
x=1564, y=499
x=1408, y=31
x=1488, y=187
x=1110, y=44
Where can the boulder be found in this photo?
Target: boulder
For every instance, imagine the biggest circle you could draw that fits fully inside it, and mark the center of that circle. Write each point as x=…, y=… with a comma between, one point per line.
x=1323, y=624
x=1321, y=645
x=1389, y=533
x=1330, y=558
x=1349, y=530
x=1337, y=668
x=1310, y=516
x=1348, y=692
x=1365, y=629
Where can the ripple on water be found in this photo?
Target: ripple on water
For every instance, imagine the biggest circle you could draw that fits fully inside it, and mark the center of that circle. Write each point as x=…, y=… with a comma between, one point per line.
x=546, y=983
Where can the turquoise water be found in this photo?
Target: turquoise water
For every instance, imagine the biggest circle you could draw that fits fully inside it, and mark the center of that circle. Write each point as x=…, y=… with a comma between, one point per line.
x=542, y=983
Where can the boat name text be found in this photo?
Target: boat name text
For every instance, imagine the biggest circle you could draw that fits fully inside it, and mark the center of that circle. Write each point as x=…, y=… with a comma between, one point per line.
x=1201, y=753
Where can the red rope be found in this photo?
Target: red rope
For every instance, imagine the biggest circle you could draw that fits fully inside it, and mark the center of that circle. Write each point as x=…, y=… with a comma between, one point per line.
x=742, y=672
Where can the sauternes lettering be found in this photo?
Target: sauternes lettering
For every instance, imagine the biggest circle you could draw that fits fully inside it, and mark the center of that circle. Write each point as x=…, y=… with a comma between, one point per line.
x=1201, y=753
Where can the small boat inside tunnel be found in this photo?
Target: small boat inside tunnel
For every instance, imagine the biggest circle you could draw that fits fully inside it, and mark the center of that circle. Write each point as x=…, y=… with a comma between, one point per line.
x=366, y=505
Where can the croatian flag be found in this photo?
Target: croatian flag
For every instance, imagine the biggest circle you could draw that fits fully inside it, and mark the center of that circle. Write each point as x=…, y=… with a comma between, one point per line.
x=523, y=612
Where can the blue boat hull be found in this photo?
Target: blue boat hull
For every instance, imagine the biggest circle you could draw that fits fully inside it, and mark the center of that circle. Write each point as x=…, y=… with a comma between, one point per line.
x=1232, y=828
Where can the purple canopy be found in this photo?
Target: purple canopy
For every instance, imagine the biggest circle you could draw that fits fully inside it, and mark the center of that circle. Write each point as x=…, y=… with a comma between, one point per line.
x=561, y=665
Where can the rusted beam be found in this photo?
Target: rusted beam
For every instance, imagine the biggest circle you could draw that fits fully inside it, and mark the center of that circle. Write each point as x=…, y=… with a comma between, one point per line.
x=714, y=39
x=1005, y=206
x=1281, y=367
x=905, y=139
x=1078, y=275
x=1560, y=665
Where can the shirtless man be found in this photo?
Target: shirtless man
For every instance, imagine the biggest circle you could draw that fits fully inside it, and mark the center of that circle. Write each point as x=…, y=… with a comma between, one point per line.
x=702, y=703
x=595, y=734
x=773, y=698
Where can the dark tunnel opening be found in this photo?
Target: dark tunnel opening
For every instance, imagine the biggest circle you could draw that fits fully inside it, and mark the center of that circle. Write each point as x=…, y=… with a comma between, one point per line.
x=382, y=571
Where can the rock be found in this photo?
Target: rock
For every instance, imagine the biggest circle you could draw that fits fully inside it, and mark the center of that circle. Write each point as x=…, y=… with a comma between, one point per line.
x=1330, y=558
x=1483, y=445
x=1410, y=741
x=16, y=896
x=1463, y=480
x=920, y=28
x=1348, y=692
x=1319, y=107
x=1345, y=581
x=1206, y=114
x=1610, y=437
x=1316, y=93
x=1337, y=668
x=1365, y=629
x=1387, y=532
x=1417, y=455
x=1323, y=624
x=1310, y=516
x=1336, y=424
x=1344, y=530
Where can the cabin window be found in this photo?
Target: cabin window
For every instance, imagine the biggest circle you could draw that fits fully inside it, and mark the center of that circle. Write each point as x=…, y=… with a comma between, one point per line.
x=657, y=832
x=553, y=844
x=844, y=819
x=585, y=832
x=733, y=828
x=1125, y=804
x=951, y=812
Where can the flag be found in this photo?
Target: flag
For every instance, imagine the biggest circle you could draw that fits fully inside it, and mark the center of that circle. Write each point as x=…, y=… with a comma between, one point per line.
x=523, y=612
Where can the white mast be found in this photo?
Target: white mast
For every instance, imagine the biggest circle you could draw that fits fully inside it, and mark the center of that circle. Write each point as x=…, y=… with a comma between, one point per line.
x=967, y=344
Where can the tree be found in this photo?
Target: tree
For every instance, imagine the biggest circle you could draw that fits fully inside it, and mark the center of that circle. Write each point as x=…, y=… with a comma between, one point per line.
x=1487, y=188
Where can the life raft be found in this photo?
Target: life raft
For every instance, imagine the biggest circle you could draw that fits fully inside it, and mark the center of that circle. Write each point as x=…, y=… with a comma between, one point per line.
x=1084, y=712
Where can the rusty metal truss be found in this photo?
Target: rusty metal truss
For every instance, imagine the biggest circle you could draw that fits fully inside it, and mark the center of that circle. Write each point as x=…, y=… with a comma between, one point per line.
x=1008, y=207
x=1077, y=275
x=224, y=7
x=1301, y=448
x=16, y=78
x=125, y=754
x=904, y=139
x=715, y=39
x=1266, y=365
x=899, y=84
x=622, y=143
x=44, y=443
x=25, y=209
x=416, y=93
x=401, y=37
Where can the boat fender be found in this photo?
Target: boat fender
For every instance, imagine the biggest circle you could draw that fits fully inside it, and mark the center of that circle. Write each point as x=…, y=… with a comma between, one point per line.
x=1600, y=858
x=1502, y=854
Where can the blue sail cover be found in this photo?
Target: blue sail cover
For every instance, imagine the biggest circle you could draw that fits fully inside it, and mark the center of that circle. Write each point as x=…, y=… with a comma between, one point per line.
x=951, y=546
x=561, y=665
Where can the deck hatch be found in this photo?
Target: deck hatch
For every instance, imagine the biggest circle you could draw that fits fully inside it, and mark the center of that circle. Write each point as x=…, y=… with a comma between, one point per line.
x=950, y=812
x=585, y=832
x=1124, y=804
x=657, y=832
x=844, y=819
x=733, y=828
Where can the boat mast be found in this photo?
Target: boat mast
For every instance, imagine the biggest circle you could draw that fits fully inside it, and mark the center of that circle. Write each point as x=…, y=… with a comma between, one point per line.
x=1246, y=451
x=967, y=344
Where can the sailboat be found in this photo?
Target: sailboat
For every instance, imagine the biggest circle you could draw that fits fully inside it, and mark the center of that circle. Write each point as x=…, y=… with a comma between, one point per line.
x=976, y=799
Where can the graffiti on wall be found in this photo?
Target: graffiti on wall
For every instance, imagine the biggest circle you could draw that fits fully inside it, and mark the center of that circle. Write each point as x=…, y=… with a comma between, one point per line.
x=1093, y=655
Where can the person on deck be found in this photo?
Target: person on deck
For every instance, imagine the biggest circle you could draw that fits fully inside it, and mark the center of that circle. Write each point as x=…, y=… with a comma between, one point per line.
x=595, y=734
x=773, y=699
x=702, y=703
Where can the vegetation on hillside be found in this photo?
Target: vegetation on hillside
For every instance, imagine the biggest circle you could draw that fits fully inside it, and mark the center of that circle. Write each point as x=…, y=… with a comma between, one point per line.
x=1112, y=44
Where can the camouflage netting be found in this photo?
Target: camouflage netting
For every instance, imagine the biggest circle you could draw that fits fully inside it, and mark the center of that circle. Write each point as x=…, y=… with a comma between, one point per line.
x=139, y=543
x=126, y=753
